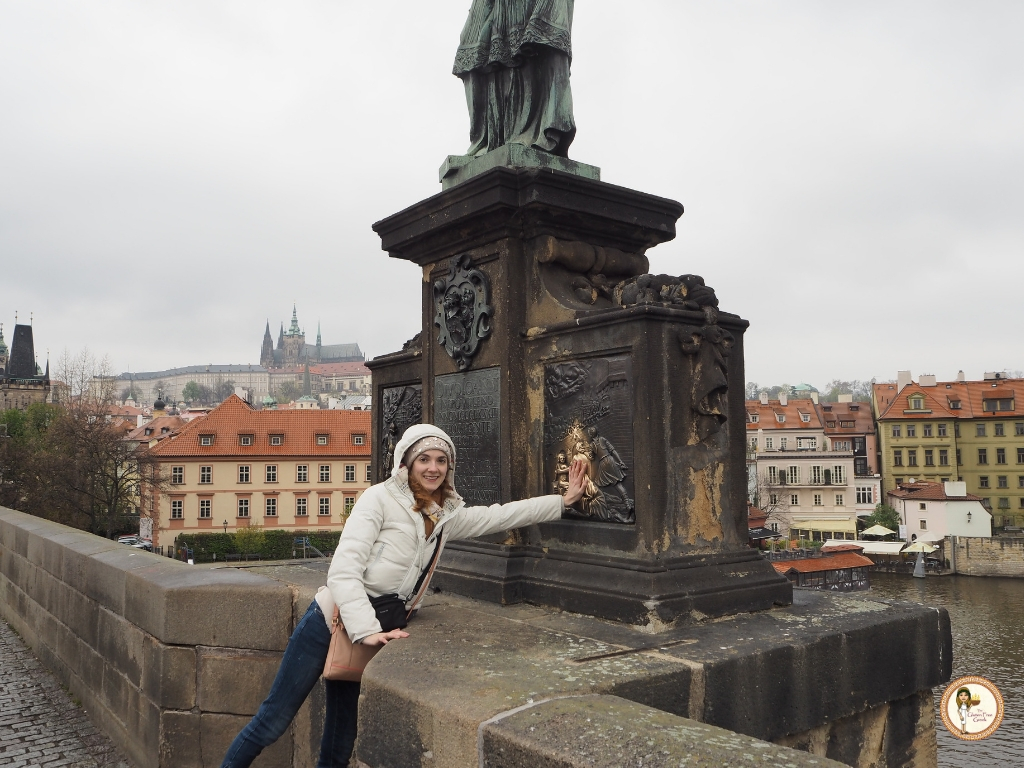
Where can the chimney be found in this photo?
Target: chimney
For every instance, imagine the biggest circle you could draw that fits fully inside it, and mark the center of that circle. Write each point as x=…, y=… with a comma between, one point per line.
x=960, y=376
x=783, y=398
x=814, y=397
x=955, y=488
x=764, y=398
x=994, y=375
x=927, y=380
x=846, y=398
x=903, y=379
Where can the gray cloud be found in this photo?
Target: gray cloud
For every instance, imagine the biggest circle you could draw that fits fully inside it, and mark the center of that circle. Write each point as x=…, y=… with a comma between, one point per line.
x=172, y=176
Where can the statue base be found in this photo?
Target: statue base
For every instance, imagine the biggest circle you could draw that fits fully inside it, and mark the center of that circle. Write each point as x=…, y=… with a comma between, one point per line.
x=459, y=168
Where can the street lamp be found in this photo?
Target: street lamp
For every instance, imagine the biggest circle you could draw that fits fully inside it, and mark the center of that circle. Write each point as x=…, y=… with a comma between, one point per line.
x=225, y=526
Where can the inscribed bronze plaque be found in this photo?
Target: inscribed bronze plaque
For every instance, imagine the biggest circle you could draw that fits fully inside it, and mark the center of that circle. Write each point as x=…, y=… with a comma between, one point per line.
x=400, y=408
x=467, y=406
x=588, y=414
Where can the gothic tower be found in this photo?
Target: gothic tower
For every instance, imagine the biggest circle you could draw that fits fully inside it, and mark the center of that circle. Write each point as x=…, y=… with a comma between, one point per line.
x=267, y=352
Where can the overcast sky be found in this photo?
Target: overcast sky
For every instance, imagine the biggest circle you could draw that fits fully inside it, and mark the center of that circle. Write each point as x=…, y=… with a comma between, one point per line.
x=174, y=174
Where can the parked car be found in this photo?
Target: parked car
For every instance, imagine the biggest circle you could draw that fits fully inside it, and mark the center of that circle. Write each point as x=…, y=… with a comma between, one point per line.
x=131, y=541
x=145, y=544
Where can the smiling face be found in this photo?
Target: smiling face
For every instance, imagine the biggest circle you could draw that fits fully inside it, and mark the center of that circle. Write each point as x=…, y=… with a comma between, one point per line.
x=963, y=697
x=429, y=469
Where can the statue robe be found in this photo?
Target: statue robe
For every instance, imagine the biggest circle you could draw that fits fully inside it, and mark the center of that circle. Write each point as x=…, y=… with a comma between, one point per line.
x=514, y=58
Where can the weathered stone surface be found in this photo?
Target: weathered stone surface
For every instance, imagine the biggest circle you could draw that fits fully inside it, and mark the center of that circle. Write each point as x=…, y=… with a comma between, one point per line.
x=1001, y=556
x=610, y=732
x=769, y=675
x=121, y=643
x=180, y=742
x=234, y=681
x=216, y=733
x=182, y=605
x=169, y=674
x=459, y=168
x=105, y=572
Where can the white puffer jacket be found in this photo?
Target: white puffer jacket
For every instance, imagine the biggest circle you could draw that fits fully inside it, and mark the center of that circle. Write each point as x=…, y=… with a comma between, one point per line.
x=383, y=549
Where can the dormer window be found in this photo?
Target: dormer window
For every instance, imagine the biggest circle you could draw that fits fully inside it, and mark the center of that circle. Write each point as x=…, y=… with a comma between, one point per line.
x=321, y=439
x=780, y=417
x=358, y=439
x=805, y=417
x=148, y=431
x=854, y=407
x=753, y=418
x=916, y=403
x=276, y=439
x=954, y=405
x=245, y=439
x=846, y=424
x=206, y=439
x=830, y=424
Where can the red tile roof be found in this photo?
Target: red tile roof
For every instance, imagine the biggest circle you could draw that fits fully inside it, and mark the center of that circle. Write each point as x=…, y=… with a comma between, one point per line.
x=340, y=369
x=848, y=546
x=837, y=414
x=940, y=398
x=823, y=563
x=767, y=415
x=156, y=427
x=298, y=428
x=925, y=491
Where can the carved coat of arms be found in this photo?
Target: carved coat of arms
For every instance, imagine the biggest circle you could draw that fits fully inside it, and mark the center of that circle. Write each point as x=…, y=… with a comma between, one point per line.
x=462, y=310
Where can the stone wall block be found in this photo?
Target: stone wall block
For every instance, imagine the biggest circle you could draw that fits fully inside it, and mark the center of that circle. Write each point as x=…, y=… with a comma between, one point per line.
x=180, y=743
x=218, y=731
x=81, y=615
x=45, y=589
x=169, y=674
x=234, y=681
x=14, y=567
x=70, y=648
x=105, y=574
x=115, y=691
x=92, y=666
x=121, y=643
x=77, y=559
x=182, y=605
x=143, y=722
x=52, y=552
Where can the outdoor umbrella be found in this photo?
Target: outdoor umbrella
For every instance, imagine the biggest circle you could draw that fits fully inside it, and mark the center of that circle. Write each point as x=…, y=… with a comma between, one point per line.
x=920, y=546
x=877, y=530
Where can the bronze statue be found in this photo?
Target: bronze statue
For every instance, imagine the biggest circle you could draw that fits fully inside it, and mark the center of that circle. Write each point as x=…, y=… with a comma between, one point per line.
x=514, y=58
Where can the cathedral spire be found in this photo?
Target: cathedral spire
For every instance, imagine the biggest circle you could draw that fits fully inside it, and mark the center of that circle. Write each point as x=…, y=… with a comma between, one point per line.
x=280, y=338
x=294, y=329
x=267, y=350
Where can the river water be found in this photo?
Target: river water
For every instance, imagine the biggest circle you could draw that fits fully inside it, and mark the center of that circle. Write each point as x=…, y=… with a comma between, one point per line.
x=987, y=618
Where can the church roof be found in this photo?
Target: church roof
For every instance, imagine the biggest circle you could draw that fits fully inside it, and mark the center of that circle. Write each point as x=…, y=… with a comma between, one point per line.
x=150, y=375
x=22, y=362
x=340, y=353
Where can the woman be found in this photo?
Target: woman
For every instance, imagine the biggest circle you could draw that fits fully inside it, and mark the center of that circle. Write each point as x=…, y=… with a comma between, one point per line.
x=388, y=542
x=963, y=700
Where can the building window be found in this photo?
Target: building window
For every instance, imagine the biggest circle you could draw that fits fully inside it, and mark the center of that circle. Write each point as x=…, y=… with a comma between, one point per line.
x=773, y=498
x=805, y=417
x=205, y=475
x=895, y=430
x=325, y=505
x=983, y=481
x=350, y=473
x=986, y=503
x=983, y=455
x=276, y=439
x=302, y=473
x=839, y=474
x=929, y=459
x=205, y=509
x=839, y=500
x=206, y=439
x=942, y=430
x=177, y=509
x=816, y=475
x=271, y=507
x=897, y=458
x=177, y=475
x=1000, y=404
x=1020, y=481
x=1018, y=428
x=911, y=430
x=321, y=439
x=817, y=500
x=358, y=439
x=245, y=439
x=794, y=500
x=830, y=424
x=924, y=525
x=243, y=507
x=1020, y=455
x=1002, y=481
x=865, y=495
x=943, y=457
x=773, y=475
x=301, y=507
x=959, y=459
x=1004, y=503
x=350, y=501
x=911, y=457
x=926, y=430
x=979, y=430
x=846, y=424
x=369, y=473
x=243, y=473
x=325, y=473
x=956, y=430
x=780, y=417
x=922, y=506
x=916, y=403
x=783, y=443
x=954, y=405
x=271, y=473
x=794, y=475
x=1000, y=455
x=806, y=443
x=999, y=430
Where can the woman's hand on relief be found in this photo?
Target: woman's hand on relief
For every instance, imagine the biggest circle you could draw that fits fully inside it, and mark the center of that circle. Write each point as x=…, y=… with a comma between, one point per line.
x=383, y=638
x=577, y=482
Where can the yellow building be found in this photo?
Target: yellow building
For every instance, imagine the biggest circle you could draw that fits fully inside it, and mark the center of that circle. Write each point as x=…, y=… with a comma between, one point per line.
x=958, y=430
x=295, y=469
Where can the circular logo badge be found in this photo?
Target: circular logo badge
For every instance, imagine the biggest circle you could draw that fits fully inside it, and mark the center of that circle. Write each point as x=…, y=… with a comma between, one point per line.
x=972, y=708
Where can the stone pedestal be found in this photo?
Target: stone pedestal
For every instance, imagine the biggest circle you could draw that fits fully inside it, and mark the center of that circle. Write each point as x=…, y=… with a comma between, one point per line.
x=543, y=338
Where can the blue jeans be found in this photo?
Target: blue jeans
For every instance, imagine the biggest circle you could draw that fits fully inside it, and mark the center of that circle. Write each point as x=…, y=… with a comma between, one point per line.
x=301, y=667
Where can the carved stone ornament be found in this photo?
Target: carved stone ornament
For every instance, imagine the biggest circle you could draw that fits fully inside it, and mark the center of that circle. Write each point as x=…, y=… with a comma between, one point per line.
x=708, y=348
x=462, y=310
x=401, y=407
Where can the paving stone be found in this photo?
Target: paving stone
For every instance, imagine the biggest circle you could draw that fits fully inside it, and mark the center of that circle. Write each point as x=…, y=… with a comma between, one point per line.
x=39, y=723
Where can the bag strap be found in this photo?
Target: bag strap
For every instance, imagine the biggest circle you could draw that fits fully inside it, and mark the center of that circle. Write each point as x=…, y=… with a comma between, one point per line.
x=420, y=587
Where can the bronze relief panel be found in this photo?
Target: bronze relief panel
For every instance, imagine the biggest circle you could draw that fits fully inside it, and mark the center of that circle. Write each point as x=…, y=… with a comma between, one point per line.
x=588, y=414
x=401, y=407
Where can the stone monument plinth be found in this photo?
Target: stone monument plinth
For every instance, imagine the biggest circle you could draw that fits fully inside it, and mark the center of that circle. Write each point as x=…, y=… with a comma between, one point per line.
x=543, y=340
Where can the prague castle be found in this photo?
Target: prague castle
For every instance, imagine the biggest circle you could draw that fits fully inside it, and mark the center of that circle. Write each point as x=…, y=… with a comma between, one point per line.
x=292, y=350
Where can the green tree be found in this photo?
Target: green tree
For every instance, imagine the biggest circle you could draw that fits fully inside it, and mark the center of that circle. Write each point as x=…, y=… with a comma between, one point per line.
x=250, y=540
x=885, y=516
x=288, y=391
x=224, y=390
